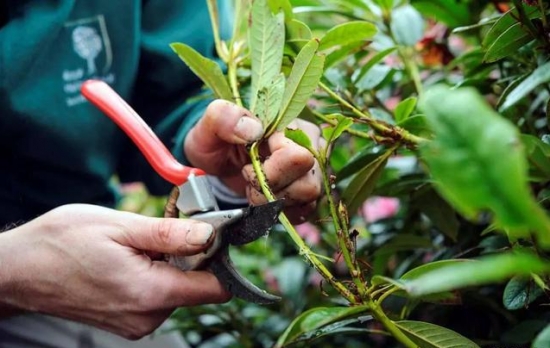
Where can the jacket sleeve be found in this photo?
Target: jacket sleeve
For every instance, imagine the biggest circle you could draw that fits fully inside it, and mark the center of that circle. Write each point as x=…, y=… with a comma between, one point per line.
x=167, y=94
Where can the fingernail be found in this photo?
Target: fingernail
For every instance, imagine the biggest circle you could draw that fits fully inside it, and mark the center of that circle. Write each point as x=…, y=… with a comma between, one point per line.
x=199, y=234
x=249, y=129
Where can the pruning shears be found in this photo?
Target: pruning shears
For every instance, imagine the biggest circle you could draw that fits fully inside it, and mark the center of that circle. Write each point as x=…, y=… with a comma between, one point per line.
x=193, y=197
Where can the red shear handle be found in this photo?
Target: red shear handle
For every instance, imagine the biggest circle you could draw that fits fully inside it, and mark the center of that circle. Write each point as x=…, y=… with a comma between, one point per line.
x=107, y=100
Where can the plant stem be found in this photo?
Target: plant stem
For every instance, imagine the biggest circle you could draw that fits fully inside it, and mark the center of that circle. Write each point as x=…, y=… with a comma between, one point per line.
x=303, y=249
x=411, y=68
x=214, y=21
x=233, y=82
x=379, y=314
x=543, y=15
x=380, y=127
x=386, y=294
x=341, y=227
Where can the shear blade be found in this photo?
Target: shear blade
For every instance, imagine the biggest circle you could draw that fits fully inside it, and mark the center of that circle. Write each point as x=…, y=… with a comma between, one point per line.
x=256, y=223
x=235, y=283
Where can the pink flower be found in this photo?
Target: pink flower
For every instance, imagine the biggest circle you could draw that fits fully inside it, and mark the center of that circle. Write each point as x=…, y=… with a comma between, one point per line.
x=377, y=208
x=309, y=232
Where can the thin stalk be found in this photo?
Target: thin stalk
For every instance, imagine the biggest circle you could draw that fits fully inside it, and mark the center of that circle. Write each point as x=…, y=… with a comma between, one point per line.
x=380, y=127
x=411, y=68
x=344, y=240
x=233, y=81
x=543, y=14
x=303, y=249
x=386, y=294
x=214, y=20
x=379, y=314
x=351, y=131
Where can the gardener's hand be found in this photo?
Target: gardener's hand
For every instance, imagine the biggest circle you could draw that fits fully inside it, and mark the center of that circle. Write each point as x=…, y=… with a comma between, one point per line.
x=88, y=264
x=217, y=145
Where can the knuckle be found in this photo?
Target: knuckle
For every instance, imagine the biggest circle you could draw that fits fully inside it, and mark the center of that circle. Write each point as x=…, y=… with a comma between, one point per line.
x=163, y=231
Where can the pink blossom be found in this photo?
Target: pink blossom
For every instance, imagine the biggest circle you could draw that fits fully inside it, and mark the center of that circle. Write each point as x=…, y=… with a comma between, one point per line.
x=377, y=208
x=309, y=232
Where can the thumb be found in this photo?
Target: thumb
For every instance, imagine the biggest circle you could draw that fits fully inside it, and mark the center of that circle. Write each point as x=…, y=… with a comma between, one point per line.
x=223, y=123
x=164, y=235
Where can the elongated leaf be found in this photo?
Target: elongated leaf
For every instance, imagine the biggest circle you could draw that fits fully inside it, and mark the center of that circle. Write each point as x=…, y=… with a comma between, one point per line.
x=520, y=292
x=299, y=137
x=468, y=160
x=539, y=76
x=332, y=133
x=503, y=23
x=266, y=38
x=342, y=53
x=543, y=339
x=485, y=270
x=364, y=181
x=269, y=99
x=407, y=25
x=304, y=78
x=207, y=70
x=507, y=43
x=523, y=333
x=404, y=109
x=538, y=154
x=315, y=319
x=428, y=335
x=298, y=31
x=419, y=271
x=440, y=213
x=347, y=33
x=451, y=12
x=377, y=58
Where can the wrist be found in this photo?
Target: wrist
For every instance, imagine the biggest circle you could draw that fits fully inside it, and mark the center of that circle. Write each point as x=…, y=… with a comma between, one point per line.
x=9, y=274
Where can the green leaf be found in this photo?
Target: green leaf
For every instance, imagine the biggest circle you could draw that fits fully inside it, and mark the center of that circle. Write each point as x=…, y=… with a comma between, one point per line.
x=374, y=77
x=343, y=52
x=504, y=23
x=523, y=333
x=440, y=213
x=364, y=181
x=417, y=125
x=337, y=328
x=508, y=43
x=266, y=38
x=451, y=12
x=538, y=155
x=297, y=30
x=281, y=5
x=520, y=292
x=404, y=109
x=539, y=76
x=482, y=271
x=421, y=270
x=347, y=33
x=543, y=339
x=304, y=78
x=299, y=137
x=314, y=319
x=407, y=25
x=468, y=159
x=206, y=69
x=385, y=4
x=427, y=335
x=331, y=133
x=269, y=99
x=291, y=277
x=377, y=58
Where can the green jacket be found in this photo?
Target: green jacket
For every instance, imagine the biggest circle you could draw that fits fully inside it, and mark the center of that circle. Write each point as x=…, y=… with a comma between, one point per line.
x=55, y=148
